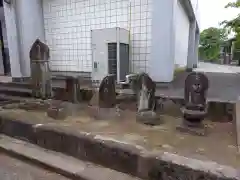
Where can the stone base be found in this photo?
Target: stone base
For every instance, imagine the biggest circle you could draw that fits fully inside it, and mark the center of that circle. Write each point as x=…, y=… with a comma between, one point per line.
x=57, y=113
x=193, y=129
x=35, y=105
x=104, y=113
x=61, y=110
x=148, y=118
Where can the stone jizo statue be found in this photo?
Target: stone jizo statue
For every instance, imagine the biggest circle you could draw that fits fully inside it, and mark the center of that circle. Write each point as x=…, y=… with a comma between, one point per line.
x=40, y=72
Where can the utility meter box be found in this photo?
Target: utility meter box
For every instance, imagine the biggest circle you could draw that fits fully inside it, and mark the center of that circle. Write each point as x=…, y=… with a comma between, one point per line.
x=110, y=53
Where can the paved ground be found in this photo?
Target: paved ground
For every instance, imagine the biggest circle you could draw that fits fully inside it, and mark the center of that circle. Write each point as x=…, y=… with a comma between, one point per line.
x=217, y=68
x=223, y=81
x=14, y=169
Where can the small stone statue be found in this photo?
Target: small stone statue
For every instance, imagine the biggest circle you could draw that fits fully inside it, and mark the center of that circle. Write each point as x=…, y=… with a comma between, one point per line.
x=103, y=102
x=145, y=90
x=195, y=108
x=107, y=92
x=40, y=72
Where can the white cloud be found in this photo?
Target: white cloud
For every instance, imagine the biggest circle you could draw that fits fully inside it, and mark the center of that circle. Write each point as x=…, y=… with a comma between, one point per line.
x=212, y=12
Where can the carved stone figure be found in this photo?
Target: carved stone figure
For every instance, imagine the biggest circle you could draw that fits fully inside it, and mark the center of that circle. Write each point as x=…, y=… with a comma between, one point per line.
x=107, y=92
x=40, y=73
x=103, y=102
x=195, y=108
x=145, y=89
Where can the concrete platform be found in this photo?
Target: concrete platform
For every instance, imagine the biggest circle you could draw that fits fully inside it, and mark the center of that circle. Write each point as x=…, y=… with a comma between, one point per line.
x=12, y=168
x=223, y=82
x=59, y=163
x=132, y=148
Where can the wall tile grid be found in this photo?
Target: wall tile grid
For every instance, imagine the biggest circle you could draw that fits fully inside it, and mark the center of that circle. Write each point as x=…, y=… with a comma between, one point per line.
x=68, y=25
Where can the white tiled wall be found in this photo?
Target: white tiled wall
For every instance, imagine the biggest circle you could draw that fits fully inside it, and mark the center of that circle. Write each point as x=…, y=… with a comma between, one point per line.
x=68, y=25
x=181, y=37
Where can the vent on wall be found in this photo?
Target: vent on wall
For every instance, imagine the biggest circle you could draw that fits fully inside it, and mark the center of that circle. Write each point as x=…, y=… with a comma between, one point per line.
x=110, y=52
x=112, y=59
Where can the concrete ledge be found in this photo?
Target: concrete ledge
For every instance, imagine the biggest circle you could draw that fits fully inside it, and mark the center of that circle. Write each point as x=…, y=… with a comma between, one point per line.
x=114, y=154
x=57, y=162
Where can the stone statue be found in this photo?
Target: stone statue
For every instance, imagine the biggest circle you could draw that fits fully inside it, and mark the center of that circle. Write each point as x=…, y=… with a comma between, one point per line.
x=195, y=106
x=103, y=102
x=40, y=72
x=107, y=92
x=145, y=89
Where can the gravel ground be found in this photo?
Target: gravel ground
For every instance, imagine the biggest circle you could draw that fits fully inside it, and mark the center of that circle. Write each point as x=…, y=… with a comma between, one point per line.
x=14, y=169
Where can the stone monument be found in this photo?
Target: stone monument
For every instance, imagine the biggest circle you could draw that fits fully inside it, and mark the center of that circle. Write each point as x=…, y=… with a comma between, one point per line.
x=103, y=102
x=195, y=105
x=40, y=72
x=146, y=102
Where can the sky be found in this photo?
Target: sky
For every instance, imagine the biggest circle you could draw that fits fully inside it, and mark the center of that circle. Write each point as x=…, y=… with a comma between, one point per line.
x=212, y=12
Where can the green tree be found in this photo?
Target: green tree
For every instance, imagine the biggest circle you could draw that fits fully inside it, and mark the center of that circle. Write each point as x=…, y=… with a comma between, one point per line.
x=234, y=26
x=210, y=43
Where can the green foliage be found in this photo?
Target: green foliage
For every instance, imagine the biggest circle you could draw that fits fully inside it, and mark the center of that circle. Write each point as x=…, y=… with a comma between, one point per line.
x=211, y=40
x=234, y=26
x=233, y=4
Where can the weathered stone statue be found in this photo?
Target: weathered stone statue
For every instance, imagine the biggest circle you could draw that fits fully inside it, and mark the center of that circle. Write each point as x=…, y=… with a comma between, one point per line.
x=146, y=102
x=40, y=73
x=103, y=102
x=107, y=92
x=195, y=108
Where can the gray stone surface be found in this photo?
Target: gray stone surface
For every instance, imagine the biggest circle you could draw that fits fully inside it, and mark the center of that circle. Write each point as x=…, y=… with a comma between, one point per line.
x=98, y=113
x=148, y=118
x=14, y=169
x=70, y=166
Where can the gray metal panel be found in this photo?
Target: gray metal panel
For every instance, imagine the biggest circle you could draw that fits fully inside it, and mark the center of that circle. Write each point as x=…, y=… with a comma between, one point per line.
x=124, y=61
x=112, y=59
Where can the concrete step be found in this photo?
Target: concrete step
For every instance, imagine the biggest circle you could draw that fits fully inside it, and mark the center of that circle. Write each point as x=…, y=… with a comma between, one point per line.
x=59, y=163
x=16, y=84
x=15, y=91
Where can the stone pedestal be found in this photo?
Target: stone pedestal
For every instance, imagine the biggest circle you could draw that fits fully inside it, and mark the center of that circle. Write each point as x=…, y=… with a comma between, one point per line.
x=57, y=113
x=148, y=118
x=98, y=113
x=60, y=110
x=36, y=105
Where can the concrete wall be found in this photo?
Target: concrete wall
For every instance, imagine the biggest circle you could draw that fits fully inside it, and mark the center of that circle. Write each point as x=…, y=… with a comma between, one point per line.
x=24, y=24
x=2, y=19
x=182, y=34
x=12, y=38
x=68, y=26
x=161, y=64
x=195, y=6
x=154, y=26
x=30, y=27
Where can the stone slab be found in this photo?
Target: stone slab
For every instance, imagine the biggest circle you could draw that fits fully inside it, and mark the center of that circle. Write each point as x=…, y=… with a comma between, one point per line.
x=98, y=113
x=119, y=156
x=62, y=164
x=198, y=131
x=57, y=113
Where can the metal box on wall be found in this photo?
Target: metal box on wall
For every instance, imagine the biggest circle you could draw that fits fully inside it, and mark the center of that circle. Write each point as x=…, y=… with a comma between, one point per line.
x=110, y=53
